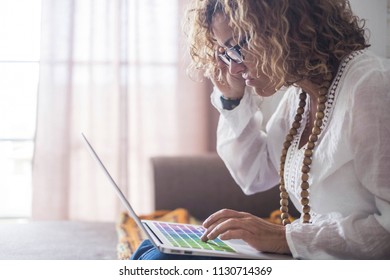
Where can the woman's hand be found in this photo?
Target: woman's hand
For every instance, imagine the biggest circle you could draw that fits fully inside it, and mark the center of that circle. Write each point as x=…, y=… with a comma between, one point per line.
x=233, y=86
x=258, y=233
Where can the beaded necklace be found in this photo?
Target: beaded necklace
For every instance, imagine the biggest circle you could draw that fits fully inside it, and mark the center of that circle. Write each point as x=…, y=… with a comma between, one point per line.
x=322, y=111
x=308, y=154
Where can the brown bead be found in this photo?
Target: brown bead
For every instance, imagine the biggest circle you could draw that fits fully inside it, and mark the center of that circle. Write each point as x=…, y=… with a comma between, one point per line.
x=286, y=144
x=304, y=201
x=308, y=152
x=306, y=209
x=284, y=152
x=322, y=99
x=306, y=218
x=282, y=188
x=293, y=131
x=310, y=145
x=286, y=222
x=318, y=123
x=305, y=177
x=302, y=96
x=316, y=130
x=305, y=185
x=284, y=216
x=313, y=138
x=283, y=195
x=323, y=91
x=298, y=118
x=302, y=103
x=305, y=169
x=289, y=138
x=284, y=202
x=295, y=125
x=320, y=115
x=307, y=161
x=300, y=110
x=304, y=194
x=283, y=209
x=321, y=107
x=283, y=158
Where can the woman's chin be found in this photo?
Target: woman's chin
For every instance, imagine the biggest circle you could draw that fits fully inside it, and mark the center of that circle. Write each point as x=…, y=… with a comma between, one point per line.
x=250, y=83
x=259, y=88
x=263, y=92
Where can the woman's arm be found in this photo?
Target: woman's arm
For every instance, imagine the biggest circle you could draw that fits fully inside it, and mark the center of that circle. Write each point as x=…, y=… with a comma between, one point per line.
x=242, y=144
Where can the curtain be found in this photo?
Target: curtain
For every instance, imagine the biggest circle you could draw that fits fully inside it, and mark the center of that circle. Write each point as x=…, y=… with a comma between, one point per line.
x=115, y=70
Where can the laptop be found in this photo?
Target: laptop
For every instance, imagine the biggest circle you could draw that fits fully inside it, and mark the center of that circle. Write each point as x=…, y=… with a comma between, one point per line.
x=184, y=239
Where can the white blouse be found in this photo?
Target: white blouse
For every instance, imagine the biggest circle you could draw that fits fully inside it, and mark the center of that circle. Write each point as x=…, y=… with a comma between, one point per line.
x=350, y=173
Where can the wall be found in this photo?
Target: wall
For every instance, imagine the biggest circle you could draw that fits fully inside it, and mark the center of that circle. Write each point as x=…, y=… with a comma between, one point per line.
x=388, y=29
x=376, y=14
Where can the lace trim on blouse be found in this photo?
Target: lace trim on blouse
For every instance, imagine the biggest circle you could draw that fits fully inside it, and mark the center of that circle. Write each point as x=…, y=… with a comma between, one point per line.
x=294, y=158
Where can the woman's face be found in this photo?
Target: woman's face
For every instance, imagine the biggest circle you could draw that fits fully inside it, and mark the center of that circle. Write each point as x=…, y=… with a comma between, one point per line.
x=225, y=38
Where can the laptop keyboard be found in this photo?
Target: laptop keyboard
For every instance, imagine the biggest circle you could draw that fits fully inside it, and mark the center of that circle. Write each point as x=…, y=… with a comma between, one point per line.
x=188, y=236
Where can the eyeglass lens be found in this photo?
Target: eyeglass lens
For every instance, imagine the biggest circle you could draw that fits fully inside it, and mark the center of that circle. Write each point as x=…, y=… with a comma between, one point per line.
x=232, y=53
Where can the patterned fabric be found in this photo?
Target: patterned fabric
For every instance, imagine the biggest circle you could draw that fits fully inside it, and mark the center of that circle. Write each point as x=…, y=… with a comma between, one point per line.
x=130, y=236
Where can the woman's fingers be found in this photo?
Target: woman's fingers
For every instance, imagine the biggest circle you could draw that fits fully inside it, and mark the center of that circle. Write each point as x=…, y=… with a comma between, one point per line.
x=258, y=233
x=223, y=214
x=231, y=86
x=228, y=225
x=219, y=218
x=209, y=229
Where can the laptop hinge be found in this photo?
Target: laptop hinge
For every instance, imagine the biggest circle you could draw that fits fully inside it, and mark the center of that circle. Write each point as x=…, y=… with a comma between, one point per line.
x=152, y=232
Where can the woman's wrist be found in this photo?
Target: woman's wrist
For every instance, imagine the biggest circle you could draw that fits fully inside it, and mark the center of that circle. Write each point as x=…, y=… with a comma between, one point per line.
x=283, y=246
x=229, y=103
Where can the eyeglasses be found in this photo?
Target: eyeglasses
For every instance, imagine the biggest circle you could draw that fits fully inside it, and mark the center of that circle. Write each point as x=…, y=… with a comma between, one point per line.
x=233, y=53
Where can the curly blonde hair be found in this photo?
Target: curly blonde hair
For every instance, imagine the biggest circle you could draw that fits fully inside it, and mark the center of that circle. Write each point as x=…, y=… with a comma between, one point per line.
x=291, y=40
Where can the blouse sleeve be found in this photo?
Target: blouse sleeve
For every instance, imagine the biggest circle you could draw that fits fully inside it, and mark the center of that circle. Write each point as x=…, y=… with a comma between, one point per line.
x=361, y=236
x=242, y=144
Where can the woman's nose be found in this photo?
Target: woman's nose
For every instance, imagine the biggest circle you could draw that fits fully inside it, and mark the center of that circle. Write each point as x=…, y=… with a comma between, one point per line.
x=236, y=68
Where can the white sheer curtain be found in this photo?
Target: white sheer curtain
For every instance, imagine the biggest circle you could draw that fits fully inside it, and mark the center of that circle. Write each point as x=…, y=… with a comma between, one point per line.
x=115, y=70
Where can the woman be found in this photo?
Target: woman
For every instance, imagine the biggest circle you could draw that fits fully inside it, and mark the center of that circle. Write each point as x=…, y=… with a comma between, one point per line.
x=326, y=145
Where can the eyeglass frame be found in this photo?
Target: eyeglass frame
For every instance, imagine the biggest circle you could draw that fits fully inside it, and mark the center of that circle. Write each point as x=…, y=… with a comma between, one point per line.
x=236, y=50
